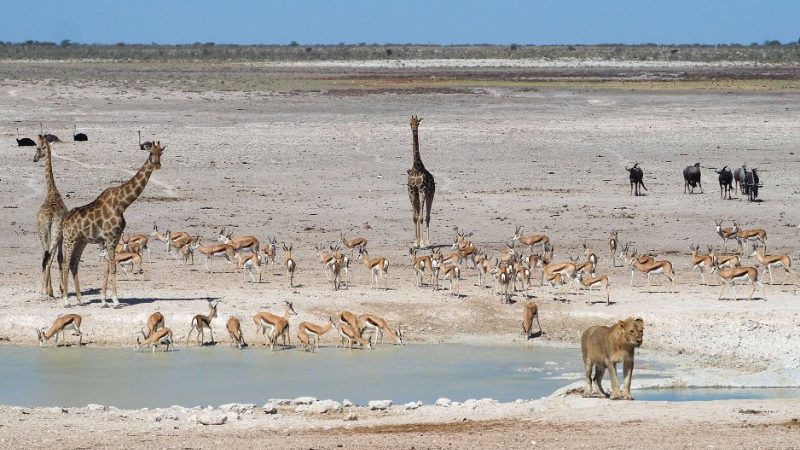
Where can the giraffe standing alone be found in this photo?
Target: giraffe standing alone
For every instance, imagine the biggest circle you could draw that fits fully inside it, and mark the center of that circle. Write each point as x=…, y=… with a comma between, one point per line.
x=50, y=218
x=421, y=188
x=102, y=222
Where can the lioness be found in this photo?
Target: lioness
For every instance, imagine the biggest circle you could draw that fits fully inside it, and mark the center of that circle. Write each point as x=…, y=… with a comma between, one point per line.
x=603, y=347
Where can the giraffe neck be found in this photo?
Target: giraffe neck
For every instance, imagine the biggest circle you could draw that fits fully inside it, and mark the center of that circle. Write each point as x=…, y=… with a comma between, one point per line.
x=48, y=173
x=417, y=158
x=129, y=191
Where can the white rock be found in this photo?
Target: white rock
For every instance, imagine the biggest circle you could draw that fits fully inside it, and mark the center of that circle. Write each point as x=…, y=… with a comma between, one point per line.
x=212, y=418
x=304, y=400
x=320, y=407
x=240, y=408
x=347, y=403
x=269, y=408
x=350, y=417
x=95, y=407
x=57, y=410
x=379, y=405
x=280, y=401
x=412, y=405
x=443, y=402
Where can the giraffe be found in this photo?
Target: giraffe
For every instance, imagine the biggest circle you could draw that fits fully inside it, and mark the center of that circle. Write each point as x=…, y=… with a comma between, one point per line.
x=421, y=188
x=102, y=222
x=50, y=217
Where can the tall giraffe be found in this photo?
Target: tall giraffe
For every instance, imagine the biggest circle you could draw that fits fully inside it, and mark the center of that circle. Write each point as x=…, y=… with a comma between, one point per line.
x=102, y=222
x=50, y=217
x=421, y=188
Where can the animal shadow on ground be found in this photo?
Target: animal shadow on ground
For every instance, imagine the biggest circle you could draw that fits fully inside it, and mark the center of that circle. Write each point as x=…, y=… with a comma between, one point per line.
x=731, y=299
x=594, y=302
x=535, y=335
x=141, y=300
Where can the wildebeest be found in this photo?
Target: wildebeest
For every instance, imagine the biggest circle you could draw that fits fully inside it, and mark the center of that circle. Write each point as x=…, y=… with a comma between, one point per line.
x=636, y=176
x=691, y=178
x=738, y=178
x=725, y=180
x=751, y=183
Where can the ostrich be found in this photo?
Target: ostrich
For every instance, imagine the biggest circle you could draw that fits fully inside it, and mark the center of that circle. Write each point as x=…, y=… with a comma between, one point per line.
x=79, y=137
x=24, y=142
x=51, y=138
x=636, y=176
x=145, y=145
x=725, y=180
x=691, y=178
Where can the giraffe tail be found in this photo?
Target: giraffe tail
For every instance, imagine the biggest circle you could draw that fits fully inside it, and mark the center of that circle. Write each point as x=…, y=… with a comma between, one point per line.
x=45, y=259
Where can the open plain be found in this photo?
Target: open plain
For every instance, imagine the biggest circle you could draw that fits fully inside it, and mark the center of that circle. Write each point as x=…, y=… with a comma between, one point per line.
x=304, y=152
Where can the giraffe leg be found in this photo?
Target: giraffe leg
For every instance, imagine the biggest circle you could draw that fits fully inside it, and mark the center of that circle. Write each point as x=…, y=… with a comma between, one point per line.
x=428, y=206
x=67, y=249
x=420, y=219
x=74, y=263
x=43, y=230
x=416, y=212
x=48, y=269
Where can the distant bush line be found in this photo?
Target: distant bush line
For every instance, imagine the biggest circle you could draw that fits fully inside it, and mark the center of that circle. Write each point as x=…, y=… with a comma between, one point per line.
x=768, y=52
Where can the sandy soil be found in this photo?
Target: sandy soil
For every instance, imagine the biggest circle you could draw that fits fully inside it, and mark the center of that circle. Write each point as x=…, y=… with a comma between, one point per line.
x=305, y=166
x=570, y=422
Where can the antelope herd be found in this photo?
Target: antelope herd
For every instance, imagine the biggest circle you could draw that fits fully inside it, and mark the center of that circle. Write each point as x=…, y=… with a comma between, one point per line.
x=510, y=272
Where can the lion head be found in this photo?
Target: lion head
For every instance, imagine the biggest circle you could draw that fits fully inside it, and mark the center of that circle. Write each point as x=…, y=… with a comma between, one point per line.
x=631, y=330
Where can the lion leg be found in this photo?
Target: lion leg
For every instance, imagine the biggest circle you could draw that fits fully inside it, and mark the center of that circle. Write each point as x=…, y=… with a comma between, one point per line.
x=599, y=373
x=612, y=369
x=587, y=365
x=627, y=370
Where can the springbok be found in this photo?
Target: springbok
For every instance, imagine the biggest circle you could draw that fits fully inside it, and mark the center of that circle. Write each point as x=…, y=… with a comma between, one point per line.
x=651, y=268
x=531, y=312
x=159, y=337
x=378, y=267
x=701, y=262
x=613, y=241
x=239, y=243
x=589, y=283
x=420, y=265
x=349, y=334
x=755, y=235
x=271, y=251
x=770, y=261
x=740, y=275
x=279, y=325
x=352, y=243
x=224, y=251
x=289, y=263
x=154, y=322
x=235, y=331
x=59, y=327
x=450, y=271
x=378, y=326
x=314, y=331
x=252, y=263
x=531, y=239
x=201, y=322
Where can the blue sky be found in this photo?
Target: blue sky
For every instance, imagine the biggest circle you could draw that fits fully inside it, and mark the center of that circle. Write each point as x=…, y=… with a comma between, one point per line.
x=401, y=21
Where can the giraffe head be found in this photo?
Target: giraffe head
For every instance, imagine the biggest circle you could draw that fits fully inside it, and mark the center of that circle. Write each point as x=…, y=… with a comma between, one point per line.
x=41, y=146
x=155, y=154
x=415, y=122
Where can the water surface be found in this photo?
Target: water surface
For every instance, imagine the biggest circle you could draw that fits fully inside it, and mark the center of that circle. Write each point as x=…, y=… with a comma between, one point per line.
x=221, y=374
